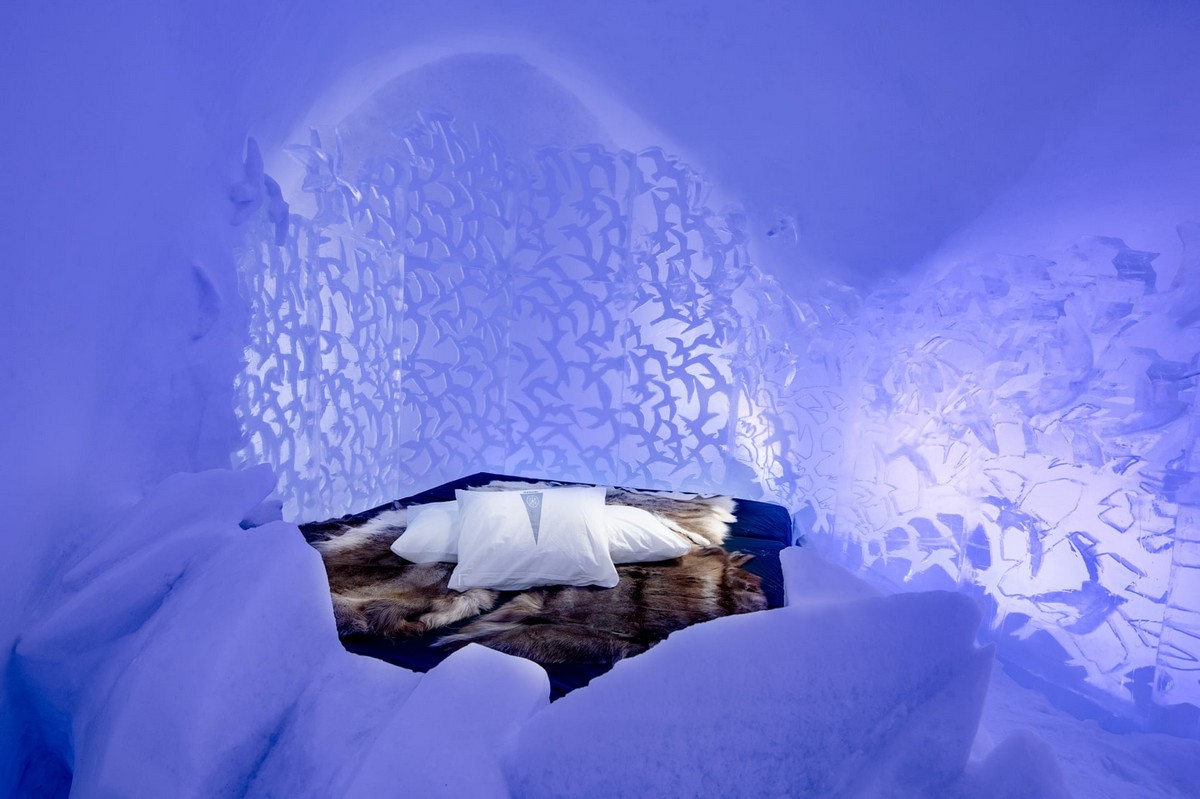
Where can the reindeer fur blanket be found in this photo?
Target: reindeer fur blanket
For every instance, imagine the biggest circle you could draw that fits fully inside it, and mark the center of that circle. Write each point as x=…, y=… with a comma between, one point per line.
x=375, y=592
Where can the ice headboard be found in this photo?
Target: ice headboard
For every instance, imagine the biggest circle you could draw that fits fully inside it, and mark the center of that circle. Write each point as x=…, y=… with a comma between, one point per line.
x=584, y=316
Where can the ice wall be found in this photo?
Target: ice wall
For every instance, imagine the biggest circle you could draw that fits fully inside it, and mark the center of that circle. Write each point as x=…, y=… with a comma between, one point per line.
x=1025, y=430
x=120, y=321
x=584, y=314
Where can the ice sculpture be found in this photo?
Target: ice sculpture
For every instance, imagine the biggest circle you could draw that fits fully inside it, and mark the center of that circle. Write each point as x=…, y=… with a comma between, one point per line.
x=1025, y=429
x=586, y=316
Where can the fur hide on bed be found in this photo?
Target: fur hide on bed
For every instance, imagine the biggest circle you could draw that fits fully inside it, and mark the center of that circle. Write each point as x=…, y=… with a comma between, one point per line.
x=376, y=592
x=567, y=624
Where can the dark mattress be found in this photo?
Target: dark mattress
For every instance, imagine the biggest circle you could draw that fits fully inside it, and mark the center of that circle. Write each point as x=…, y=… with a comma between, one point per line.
x=762, y=529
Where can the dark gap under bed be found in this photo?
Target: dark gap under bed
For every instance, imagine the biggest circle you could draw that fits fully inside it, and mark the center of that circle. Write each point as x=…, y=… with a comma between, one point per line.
x=762, y=529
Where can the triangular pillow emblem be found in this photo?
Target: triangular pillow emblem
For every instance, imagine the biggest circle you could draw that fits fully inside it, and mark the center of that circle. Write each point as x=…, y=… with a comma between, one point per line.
x=533, y=506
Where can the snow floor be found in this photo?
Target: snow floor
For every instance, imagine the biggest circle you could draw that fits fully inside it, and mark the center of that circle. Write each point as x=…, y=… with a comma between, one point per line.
x=1095, y=764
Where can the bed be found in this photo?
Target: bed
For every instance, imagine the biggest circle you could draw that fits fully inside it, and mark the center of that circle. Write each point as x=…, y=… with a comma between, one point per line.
x=749, y=553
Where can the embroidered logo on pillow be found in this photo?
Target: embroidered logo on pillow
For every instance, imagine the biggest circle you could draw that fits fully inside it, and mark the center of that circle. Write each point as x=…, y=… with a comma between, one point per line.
x=533, y=506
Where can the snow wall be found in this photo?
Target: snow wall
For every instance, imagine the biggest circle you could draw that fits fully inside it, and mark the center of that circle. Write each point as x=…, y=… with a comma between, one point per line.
x=123, y=286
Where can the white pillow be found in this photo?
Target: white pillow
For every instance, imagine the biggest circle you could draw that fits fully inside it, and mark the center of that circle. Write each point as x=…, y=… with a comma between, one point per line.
x=510, y=540
x=638, y=536
x=431, y=535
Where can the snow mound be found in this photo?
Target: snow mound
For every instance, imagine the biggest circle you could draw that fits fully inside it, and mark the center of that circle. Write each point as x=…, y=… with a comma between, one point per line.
x=181, y=648
x=841, y=694
x=183, y=655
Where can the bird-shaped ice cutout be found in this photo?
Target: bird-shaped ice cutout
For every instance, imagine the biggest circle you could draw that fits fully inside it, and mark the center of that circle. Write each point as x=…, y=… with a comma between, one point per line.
x=255, y=188
x=247, y=194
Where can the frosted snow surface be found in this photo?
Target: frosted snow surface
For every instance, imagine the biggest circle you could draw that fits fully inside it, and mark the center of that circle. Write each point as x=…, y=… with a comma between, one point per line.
x=839, y=694
x=186, y=656
x=1097, y=764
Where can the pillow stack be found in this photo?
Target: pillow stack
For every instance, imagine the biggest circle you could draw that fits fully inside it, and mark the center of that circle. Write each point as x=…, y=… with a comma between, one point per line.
x=512, y=540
